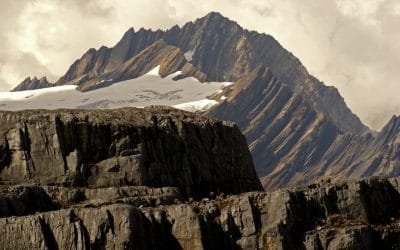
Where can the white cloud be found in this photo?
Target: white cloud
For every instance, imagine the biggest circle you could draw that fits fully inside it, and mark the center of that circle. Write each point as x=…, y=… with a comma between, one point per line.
x=352, y=44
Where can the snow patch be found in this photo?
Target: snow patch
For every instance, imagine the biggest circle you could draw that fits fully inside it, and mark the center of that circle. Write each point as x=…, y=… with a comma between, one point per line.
x=189, y=55
x=26, y=94
x=103, y=81
x=200, y=105
x=149, y=89
x=154, y=72
x=226, y=84
x=177, y=73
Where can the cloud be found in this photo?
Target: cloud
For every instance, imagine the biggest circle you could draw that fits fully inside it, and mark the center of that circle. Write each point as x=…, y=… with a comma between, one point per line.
x=19, y=66
x=351, y=44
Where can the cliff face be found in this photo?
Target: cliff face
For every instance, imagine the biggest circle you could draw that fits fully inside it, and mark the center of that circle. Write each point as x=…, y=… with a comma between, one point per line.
x=111, y=148
x=349, y=215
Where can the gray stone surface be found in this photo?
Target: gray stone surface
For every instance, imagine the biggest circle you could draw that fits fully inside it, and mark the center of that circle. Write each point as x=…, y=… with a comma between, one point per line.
x=154, y=146
x=360, y=214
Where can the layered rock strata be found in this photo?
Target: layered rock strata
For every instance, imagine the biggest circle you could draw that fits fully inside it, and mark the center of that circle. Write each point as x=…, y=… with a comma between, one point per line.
x=154, y=146
x=348, y=215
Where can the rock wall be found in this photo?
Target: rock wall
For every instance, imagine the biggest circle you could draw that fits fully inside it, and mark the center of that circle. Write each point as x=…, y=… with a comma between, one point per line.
x=349, y=215
x=127, y=147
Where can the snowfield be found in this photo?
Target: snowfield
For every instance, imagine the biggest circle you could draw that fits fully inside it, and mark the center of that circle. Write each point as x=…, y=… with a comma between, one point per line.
x=150, y=89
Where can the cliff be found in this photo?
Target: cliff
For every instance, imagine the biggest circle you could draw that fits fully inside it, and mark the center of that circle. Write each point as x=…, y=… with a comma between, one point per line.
x=155, y=147
x=348, y=215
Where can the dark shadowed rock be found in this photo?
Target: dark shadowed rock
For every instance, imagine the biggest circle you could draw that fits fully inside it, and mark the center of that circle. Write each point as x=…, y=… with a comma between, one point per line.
x=350, y=215
x=111, y=148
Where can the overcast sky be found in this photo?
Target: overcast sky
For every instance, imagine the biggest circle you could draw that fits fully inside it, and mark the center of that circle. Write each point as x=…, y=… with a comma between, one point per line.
x=351, y=44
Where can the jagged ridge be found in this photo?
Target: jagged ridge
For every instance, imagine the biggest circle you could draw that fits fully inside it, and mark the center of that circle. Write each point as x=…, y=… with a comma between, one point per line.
x=34, y=83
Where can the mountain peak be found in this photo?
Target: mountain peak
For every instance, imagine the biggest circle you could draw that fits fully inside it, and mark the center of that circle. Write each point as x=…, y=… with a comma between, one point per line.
x=32, y=83
x=216, y=17
x=393, y=124
x=28, y=79
x=213, y=15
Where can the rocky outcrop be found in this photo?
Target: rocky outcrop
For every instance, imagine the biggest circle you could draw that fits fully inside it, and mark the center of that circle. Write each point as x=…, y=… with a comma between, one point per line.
x=169, y=58
x=24, y=200
x=155, y=147
x=349, y=215
x=34, y=83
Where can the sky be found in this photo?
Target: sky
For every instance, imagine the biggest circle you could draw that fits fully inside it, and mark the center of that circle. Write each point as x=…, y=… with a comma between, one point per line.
x=353, y=45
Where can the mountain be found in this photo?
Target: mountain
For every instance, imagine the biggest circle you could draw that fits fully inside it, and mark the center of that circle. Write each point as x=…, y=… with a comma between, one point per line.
x=220, y=49
x=298, y=129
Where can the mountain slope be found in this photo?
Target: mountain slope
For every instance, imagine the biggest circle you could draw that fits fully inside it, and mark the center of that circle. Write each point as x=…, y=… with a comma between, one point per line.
x=293, y=143
x=286, y=134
